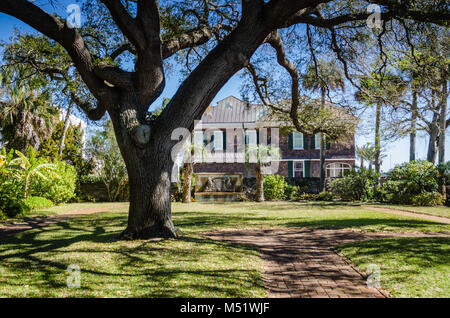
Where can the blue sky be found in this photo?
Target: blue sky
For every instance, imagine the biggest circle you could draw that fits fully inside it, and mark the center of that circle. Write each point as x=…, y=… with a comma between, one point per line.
x=397, y=152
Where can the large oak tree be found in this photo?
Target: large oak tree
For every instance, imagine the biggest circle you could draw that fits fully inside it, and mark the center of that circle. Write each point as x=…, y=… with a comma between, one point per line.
x=229, y=33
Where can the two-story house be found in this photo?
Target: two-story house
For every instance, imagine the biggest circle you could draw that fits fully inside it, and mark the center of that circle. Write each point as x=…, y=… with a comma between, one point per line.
x=234, y=124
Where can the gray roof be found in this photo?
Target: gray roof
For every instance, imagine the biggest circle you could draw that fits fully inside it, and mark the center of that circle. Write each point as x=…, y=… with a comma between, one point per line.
x=233, y=110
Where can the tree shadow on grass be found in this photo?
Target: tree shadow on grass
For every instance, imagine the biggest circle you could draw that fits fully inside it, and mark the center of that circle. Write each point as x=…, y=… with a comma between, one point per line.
x=157, y=266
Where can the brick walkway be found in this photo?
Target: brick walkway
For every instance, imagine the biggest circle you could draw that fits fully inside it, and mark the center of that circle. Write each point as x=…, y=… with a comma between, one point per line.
x=302, y=262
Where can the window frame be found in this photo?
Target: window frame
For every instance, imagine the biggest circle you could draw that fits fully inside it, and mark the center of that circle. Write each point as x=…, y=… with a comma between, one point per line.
x=247, y=137
x=294, y=168
x=331, y=167
x=218, y=135
x=317, y=139
x=300, y=136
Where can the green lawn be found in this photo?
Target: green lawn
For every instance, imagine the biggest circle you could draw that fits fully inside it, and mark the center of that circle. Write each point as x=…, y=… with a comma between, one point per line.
x=433, y=210
x=34, y=263
x=409, y=267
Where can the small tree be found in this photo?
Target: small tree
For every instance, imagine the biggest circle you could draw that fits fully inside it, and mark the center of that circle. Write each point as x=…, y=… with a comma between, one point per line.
x=261, y=155
x=104, y=150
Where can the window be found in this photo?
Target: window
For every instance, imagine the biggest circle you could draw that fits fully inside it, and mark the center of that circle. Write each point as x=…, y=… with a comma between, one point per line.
x=198, y=138
x=317, y=140
x=250, y=137
x=297, y=140
x=218, y=140
x=336, y=170
x=298, y=169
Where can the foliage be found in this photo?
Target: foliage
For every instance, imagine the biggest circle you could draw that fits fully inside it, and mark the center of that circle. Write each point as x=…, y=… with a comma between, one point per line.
x=26, y=113
x=104, y=150
x=427, y=199
x=61, y=189
x=12, y=187
x=274, y=187
x=291, y=192
x=325, y=196
x=34, y=169
x=307, y=197
x=356, y=185
x=36, y=203
x=410, y=179
x=72, y=151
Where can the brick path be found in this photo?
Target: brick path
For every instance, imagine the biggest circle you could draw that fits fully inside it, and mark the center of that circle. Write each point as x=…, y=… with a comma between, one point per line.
x=302, y=263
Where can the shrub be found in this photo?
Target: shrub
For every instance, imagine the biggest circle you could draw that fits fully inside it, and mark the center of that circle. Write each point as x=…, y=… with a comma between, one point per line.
x=416, y=177
x=291, y=192
x=36, y=203
x=307, y=197
x=59, y=190
x=428, y=199
x=12, y=191
x=355, y=185
x=274, y=187
x=325, y=196
x=409, y=180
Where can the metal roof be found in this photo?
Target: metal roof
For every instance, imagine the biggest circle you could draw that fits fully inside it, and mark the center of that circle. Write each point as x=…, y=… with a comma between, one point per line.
x=233, y=110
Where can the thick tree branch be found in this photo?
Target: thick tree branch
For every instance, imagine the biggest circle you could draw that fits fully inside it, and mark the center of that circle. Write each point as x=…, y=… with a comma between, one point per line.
x=69, y=38
x=126, y=23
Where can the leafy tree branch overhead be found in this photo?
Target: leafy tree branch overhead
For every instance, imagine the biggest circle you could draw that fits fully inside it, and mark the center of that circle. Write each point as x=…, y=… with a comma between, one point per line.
x=224, y=35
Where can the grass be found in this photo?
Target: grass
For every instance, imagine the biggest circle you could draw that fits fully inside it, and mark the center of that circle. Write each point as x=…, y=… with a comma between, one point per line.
x=34, y=263
x=198, y=217
x=433, y=210
x=61, y=209
x=409, y=267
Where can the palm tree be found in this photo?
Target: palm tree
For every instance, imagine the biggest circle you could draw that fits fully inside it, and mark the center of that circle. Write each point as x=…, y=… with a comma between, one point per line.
x=378, y=89
x=260, y=155
x=190, y=150
x=26, y=116
x=32, y=166
x=326, y=76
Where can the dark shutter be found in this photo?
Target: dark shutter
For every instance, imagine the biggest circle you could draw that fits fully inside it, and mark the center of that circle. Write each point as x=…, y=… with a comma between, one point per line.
x=305, y=141
x=291, y=140
x=224, y=140
x=205, y=138
x=257, y=137
x=307, y=168
x=313, y=142
x=290, y=169
x=327, y=144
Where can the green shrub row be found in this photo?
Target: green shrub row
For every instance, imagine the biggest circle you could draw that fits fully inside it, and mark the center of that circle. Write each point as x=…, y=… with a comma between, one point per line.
x=413, y=182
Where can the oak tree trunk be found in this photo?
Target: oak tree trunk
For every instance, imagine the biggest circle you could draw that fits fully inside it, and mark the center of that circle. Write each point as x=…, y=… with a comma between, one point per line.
x=322, y=162
x=147, y=156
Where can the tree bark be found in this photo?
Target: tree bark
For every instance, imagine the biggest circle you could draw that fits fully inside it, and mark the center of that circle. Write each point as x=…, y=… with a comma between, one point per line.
x=322, y=162
x=64, y=132
x=188, y=169
x=322, y=149
x=442, y=129
x=259, y=183
x=433, y=132
x=149, y=165
x=412, y=135
x=378, y=138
